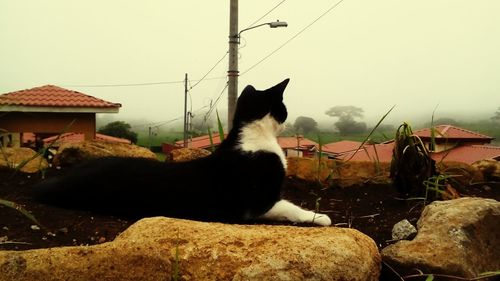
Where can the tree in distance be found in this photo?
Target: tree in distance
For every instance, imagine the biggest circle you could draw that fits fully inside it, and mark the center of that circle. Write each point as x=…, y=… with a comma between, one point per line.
x=119, y=129
x=305, y=125
x=496, y=117
x=346, y=115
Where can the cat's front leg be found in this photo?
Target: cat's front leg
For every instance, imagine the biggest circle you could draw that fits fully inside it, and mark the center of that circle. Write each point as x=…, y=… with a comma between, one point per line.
x=286, y=211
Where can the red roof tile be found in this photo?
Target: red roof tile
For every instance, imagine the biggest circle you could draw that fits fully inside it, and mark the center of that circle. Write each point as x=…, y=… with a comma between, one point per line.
x=284, y=142
x=53, y=96
x=294, y=142
x=201, y=142
x=341, y=147
x=372, y=152
x=465, y=154
x=451, y=132
x=468, y=154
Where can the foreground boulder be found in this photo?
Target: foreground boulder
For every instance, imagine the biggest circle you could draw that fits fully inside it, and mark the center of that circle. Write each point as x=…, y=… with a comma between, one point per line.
x=72, y=153
x=458, y=237
x=157, y=248
x=23, y=158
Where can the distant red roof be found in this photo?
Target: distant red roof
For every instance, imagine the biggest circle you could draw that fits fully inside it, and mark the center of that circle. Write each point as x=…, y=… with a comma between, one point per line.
x=53, y=96
x=468, y=154
x=341, y=147
x=296, y=141
x=371, y=152
x=201, y=141
x=284, y=142
x=451, y=132
x=465, y=154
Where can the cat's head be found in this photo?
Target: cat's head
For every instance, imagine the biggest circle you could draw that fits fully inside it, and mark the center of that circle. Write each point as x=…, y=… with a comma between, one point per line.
x=253, y=105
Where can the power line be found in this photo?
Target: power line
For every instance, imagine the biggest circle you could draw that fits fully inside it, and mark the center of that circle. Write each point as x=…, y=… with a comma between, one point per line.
x=139, y=84
x=213, y=67
x=274, y=8
x=212, y=106
x=125, y=85
x=293, y=37
x=162, y=123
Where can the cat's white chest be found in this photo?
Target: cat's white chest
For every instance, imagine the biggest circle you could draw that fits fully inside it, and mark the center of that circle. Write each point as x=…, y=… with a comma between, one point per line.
x=260, y=135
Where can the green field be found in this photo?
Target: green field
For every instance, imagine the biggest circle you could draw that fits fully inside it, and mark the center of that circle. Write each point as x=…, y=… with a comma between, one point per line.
x=157, y=139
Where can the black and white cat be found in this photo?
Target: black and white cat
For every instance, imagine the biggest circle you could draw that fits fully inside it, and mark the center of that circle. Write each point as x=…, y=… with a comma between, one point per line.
x=241, y=181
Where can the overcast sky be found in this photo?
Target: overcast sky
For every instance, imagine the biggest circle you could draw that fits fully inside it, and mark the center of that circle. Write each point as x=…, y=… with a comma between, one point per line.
x=371, y=54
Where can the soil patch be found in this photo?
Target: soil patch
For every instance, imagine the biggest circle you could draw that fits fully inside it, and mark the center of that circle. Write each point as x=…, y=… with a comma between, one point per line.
x=371, y=209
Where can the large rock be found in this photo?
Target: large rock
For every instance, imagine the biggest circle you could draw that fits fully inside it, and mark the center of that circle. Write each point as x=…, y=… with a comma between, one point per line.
x=489, y=167
x=342, y=173
x=22, y=158
x=154, y=248
x=72, y=153
x=463, y=174
x=458, y=237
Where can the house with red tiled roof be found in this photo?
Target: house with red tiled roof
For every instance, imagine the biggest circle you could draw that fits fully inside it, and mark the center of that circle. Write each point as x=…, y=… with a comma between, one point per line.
x=448, y=136
x=50, y=110
x=298, y=146
x=452, y=144
x=292, y=146
x=340, y=148
x=468, y=153
x=202, y=142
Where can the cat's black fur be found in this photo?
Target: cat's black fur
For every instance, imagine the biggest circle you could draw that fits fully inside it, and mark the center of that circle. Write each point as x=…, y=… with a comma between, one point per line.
x=230, y=185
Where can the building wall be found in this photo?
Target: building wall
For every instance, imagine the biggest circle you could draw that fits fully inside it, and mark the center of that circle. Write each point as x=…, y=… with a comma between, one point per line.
x=49, y=123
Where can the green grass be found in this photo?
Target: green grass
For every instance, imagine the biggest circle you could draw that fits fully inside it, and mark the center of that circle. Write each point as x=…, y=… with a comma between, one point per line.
x=329, y=137
x=161, y=156
x=159, y=138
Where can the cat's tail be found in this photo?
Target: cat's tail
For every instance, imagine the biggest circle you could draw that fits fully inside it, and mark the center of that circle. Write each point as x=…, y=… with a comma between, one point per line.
x=51, y=191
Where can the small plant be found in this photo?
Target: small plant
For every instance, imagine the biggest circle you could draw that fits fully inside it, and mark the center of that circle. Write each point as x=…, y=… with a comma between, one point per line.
x=220, y=127
x=411, y=163
x=20, y=209
x=435, y=187
x=175, y=265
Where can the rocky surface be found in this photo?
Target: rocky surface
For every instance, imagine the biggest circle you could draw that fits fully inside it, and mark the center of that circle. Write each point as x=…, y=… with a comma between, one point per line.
x=186, y=154
x=162, y=248
x=489, y=167
x=403, y=230
x=23, y=158
x=71, y=153
x=338, y=172
x=458, y=237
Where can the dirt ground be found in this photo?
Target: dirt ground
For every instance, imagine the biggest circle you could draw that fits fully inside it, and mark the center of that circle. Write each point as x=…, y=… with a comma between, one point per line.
x=371, y=209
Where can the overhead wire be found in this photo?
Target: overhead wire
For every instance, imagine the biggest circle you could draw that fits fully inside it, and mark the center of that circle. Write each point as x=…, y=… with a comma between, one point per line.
x=292, y=38
x=211, y=69
x=125, y=85
x=274, y=8
x=214, y=104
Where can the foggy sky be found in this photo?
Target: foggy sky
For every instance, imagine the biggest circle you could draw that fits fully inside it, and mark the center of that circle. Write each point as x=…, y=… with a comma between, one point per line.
x=371, y=54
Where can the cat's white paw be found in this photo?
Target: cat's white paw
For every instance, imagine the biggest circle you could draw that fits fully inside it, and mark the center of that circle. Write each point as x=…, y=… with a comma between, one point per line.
x=321, y=219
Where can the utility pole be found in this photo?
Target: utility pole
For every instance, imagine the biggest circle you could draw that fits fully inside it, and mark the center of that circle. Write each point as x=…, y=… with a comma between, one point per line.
x=149, y=138
x=185, y=110
x=232, y=73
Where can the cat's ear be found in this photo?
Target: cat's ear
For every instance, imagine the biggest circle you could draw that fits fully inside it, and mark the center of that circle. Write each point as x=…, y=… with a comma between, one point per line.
x=279, y=89
x=248, y=90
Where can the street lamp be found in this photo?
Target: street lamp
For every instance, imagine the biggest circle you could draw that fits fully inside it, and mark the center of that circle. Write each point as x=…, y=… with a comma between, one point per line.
x=232, y=72
x=273, y=24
